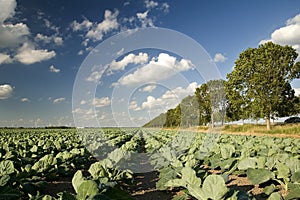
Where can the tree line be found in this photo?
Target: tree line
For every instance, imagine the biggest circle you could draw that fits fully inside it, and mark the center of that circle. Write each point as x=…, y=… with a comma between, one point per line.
x=258, y=87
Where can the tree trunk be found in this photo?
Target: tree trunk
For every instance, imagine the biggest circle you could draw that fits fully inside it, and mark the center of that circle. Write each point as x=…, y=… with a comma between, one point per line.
x=268, y=123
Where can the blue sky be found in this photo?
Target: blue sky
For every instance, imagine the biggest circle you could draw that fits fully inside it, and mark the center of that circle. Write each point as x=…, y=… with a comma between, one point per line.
x=44, y=48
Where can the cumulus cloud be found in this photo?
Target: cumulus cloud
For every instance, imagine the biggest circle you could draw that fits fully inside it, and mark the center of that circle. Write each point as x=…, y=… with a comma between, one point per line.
x=27, y=54
x=101, y=102
x=95, y=31
x=141, y=58
x=143, y=15
x=53, y=69
x=165, y=65
x=4, y=58
x=145, y=20
x=48, y=39
x=13, y=34
x=96, y=74
x=133, y=106
x=5, y=91
x=24, y=100
x=219, y=58
x=150, y=4
x=84, y=25
x=288, y=34
x=148, y=88
x=109, y=23
x=7, y=9
x=59, y=100
x=170, y=98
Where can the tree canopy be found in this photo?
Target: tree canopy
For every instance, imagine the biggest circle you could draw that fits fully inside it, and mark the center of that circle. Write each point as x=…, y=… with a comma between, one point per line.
x=259, y=86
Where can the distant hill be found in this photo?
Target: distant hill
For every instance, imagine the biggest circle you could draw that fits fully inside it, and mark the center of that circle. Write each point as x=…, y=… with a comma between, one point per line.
x=158, y=121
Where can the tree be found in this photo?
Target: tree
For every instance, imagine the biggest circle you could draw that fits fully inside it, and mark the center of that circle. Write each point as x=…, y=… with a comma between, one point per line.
x=189, y=112
x=204, y=106
x=218, y=100
x=260, y=83
x=173, y=118
x=212, y=102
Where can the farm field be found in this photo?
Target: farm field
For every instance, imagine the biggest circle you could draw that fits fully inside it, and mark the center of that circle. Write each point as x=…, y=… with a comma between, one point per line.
x=145, y=164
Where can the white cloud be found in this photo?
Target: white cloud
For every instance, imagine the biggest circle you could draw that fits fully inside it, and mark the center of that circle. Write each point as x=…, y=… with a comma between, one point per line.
x=133, y=106
x=41, y=37
x=85, y=114
x=4, y=58
x=101, y=102
x=96, y=74
x=170, y=98
x=53, y=69
x=143, y=15
x=48, y=39
x=165, y=7
x=27, y=54
x=58, y=40
x=80, y=52
x=297, y=91
x=84, y=25
x=288, y=34
x=219, y=58
x=82, y=102
x=141, y=58
x=109, y=23
x=7, y=9
x=165, y=65
x=13, y=34
x=24, y=100
x=5, y=91
x=149, y=88
x=150, y=4
x=59, y=100
x=145, y=21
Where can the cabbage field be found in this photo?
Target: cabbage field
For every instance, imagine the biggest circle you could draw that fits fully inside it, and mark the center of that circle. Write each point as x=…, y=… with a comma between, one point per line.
x=107, y=163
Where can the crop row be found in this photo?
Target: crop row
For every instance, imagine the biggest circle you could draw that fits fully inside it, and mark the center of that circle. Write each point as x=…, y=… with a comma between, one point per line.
x=99, y=161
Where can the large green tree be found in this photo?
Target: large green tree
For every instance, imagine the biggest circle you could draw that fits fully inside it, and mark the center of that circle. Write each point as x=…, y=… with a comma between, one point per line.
x=259, y=85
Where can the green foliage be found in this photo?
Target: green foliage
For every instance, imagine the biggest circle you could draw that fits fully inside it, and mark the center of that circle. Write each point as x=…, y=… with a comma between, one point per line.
x=213, y=188
x=87, y=190
x=259, y=85
x=258, y=176
x=180, y=157
x=6, y=167
x=275, y=196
